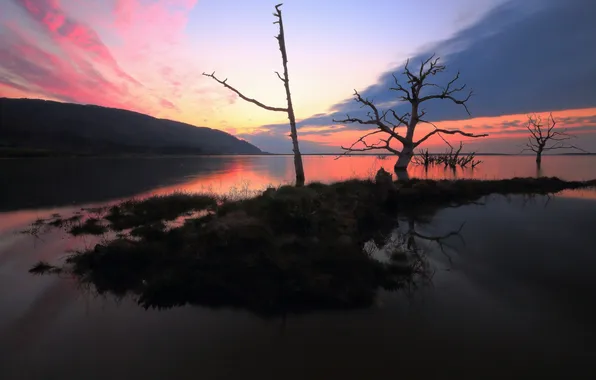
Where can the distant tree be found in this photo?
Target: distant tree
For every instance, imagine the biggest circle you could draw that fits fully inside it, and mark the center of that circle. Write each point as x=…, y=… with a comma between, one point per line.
x=299, y=168
x=544, y=137
x=388, y=121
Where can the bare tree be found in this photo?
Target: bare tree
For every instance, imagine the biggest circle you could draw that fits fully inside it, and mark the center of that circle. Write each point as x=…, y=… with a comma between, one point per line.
x=544, y=137
x=299, y=168
x=388, y=121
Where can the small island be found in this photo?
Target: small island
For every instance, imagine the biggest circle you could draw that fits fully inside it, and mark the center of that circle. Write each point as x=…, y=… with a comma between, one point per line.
x=285, y=250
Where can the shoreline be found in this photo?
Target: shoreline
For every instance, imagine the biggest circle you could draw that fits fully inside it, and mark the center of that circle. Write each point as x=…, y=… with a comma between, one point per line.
x=264, y=154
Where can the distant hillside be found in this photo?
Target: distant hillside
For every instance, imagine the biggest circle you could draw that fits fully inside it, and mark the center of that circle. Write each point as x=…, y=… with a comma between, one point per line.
x=40, y=127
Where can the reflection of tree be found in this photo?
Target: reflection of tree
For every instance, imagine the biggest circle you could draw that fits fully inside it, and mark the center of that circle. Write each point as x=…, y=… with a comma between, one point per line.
x=531, y=199
x=402, y=249
x=440, y=240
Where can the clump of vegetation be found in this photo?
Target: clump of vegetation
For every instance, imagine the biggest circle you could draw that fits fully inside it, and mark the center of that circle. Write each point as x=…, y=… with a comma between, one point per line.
x=43, y=267
x=452, y=159
x=137, y=212
x=290, y=249
x=91, y=226
x=129, y=214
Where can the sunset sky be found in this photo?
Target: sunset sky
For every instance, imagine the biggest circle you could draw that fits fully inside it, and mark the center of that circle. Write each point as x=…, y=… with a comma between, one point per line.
x=148, y=56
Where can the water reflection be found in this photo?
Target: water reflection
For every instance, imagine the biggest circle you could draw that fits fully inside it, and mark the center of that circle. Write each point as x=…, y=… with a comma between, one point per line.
x=43, y=183
x=539, y=171
x=441, y=241
x=313, y=272
x=48, y=183
x=520, y=289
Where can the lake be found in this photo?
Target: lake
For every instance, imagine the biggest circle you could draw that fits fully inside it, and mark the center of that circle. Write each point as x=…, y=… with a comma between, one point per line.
x=512, y=295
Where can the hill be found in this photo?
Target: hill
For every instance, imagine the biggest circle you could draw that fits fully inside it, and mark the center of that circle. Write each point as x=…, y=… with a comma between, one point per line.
x=41, y=127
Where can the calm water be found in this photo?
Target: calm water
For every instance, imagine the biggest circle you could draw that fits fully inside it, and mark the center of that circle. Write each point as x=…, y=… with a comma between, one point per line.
x=513, y=296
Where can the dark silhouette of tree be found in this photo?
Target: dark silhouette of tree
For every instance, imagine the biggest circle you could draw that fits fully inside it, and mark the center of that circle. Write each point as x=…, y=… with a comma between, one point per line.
x=299, y=168
x=388, y=121
x=545, y=137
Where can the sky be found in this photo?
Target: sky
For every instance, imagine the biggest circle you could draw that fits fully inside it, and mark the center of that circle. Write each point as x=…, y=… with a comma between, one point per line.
x=519, y=57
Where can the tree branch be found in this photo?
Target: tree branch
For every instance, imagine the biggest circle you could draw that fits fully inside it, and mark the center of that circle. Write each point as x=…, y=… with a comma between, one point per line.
x=447, y=92
x=368, y=146
x=399, y=87
x=435, y=127
x=447, y=132
x=401, y=119
x=375, y=119
x=253, y=101
x=280, y=77
x=564, y=146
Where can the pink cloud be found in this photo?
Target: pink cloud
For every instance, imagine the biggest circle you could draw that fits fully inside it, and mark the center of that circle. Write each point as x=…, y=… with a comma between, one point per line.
x=57, y=76
x=168, y=61
x=167, y=104
x=129, y=54
x=66, y=31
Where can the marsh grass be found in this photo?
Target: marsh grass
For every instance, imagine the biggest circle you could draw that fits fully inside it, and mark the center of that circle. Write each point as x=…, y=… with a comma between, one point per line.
x=136, y=212
x=91, y=226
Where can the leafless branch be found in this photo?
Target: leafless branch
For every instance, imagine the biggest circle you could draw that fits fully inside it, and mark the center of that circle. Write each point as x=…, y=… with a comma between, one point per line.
x=280, y=77
x=447, y=132
x=253, y=101
x=375, y=118
x=381, y=144
x=403, y=119
x=448, y=94
x=398, y=87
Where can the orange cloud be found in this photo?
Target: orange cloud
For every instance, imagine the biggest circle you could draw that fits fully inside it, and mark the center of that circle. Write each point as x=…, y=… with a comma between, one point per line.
x=501, y=127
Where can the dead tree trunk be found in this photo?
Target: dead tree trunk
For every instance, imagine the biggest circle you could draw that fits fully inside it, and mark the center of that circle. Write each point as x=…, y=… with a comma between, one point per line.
x=298, y=167
x=539, y=157
x=404, y=158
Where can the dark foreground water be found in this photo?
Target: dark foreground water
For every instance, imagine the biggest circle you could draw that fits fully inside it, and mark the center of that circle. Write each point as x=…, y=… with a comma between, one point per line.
x=513, y=296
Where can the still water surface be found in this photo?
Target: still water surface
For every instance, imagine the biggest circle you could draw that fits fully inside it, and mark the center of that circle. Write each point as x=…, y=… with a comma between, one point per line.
x=513, y=295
